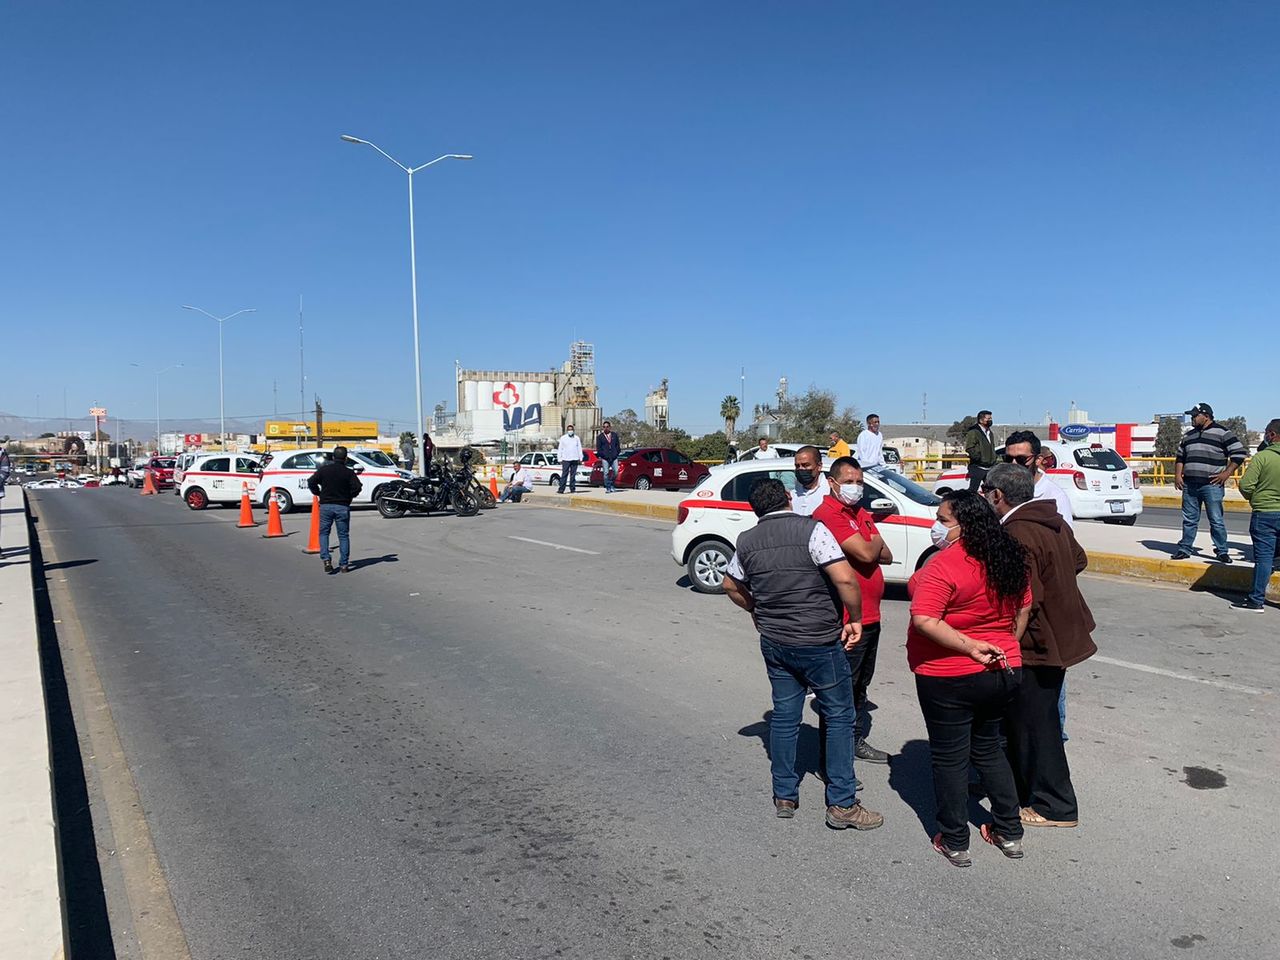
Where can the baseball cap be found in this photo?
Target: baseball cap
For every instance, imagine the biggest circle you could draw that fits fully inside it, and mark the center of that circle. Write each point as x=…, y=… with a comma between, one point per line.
x=1200, y=408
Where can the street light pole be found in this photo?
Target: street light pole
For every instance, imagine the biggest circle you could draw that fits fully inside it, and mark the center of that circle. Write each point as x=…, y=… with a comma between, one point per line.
x=174, y=366
x=413, y=273
x=222, y=412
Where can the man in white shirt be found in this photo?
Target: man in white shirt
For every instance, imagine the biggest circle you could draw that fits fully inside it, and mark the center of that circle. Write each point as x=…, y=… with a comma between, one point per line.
x=570, y=451
x=811, y=483
x=870, y=446
x=1023, y=448
x=521, y=483
x=764, y=451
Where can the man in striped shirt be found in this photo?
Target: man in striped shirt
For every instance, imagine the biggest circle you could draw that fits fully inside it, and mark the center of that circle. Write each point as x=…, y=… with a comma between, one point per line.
x=1207, y=457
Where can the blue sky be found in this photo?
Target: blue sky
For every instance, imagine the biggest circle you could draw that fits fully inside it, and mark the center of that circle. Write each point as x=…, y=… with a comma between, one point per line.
x=1004, y=205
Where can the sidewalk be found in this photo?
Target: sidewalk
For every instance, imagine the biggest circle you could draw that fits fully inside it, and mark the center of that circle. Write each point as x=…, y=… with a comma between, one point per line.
x=1138, y=552
x=30, y=899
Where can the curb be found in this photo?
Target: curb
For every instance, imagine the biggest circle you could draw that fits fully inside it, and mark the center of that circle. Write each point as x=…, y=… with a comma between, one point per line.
x=1175, y=502
x=1196, y=575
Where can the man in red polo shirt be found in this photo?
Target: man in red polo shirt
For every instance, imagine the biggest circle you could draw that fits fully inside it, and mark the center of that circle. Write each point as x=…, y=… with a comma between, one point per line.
x=862, y=544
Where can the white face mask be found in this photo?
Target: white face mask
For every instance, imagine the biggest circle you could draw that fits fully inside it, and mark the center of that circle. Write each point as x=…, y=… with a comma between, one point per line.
x=849, y=493
x=938, y=533
x=571, y=431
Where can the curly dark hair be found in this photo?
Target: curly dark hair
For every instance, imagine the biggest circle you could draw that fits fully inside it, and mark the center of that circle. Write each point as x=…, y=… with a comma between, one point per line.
x=1003, y=559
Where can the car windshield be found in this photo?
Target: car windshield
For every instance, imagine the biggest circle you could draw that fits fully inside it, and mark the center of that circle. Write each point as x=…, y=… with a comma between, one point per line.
x=166, y=464
x=908, y=488
x=376, y=457
x=1099, y=458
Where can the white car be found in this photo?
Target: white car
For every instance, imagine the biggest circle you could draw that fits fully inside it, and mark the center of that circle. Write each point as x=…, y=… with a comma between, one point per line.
x=711, y=519
x=1098, y=482
x=48, y=483
x=137, y=473
x=287, y=472
x=545, y=468
x=219, y=478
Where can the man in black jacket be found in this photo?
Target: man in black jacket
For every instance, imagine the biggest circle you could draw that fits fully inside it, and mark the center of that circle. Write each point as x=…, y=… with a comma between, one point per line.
x=608, y=449
x=336, y=484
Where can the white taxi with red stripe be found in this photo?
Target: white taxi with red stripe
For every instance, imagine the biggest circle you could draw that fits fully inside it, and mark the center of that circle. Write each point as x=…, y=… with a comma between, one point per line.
x=287, y=472
x=218, y=478
x=1097, y=481
x=710, y=521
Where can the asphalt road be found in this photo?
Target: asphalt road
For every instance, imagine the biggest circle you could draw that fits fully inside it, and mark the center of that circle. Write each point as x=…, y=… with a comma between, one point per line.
x=1170, y=518
x=518, y=736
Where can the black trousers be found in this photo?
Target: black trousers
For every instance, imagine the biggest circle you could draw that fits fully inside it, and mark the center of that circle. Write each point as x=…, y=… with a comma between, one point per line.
x=862, y=666
x=1033, y=731
x=962, y=715
x=976, y=476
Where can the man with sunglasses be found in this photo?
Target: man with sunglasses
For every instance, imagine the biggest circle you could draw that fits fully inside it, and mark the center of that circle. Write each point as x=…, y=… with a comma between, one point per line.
x=1023, y=448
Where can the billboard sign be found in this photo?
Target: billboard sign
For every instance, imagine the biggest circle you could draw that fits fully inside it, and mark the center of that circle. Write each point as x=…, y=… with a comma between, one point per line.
x=1074, y=431
x=514, y=416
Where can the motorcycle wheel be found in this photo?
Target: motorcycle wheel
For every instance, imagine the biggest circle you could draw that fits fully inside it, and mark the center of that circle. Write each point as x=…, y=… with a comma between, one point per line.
x=392, y=511
x=483, y=494
x=465, y=504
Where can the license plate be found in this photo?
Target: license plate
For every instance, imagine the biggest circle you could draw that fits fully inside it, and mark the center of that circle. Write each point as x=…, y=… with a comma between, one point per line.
x=1117, y=506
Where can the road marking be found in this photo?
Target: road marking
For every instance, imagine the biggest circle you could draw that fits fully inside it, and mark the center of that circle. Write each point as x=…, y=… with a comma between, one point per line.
x=1159, y=671
x=555, y=546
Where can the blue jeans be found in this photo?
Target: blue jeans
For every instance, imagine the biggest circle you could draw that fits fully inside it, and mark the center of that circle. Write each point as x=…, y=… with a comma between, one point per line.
x=513, y=493
x=340, y=514
x=792, y=671
x=1197, y=493
x=1264, y=529
x=610, y=468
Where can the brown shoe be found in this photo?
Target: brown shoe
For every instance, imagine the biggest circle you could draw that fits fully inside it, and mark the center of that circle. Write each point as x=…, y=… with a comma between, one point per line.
x=1030, y=818
x=784, y=809
x=856, y=816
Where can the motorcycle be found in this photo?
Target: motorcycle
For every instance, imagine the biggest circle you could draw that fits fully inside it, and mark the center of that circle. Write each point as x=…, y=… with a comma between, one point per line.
x=442, y=489
x=482, y=493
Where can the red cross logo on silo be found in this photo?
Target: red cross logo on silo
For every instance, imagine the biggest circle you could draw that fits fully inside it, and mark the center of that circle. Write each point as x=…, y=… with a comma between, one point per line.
x=507, y=397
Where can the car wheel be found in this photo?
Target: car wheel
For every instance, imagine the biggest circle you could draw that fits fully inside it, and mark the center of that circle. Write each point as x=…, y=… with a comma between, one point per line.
x=196, y=498
x=281, y=497
x=707, y=564
x=642, y=483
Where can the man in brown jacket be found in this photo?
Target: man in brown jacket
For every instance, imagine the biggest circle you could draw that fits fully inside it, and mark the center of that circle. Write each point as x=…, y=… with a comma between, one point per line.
x=1057, y=637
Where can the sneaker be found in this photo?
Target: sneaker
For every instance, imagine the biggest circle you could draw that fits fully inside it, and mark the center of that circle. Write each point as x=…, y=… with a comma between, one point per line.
x=1223, y=557
x=328, y=566
x=957, y=858
x=865, y=751
x=856, y=816
x=1181, y=555
x=784, y=809
x=1010, y=848
x=1030, y=818
x=1251, y=606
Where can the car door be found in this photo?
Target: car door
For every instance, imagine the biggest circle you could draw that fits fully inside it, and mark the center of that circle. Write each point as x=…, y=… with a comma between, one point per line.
x=246, y=474
x=679, y=469
x=293, y=474
x=890, y=523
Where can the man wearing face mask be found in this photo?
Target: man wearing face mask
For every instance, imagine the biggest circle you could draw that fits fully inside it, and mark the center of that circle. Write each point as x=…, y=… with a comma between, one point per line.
x=570, y=451
x=853, y=528
x=811, y=485
x=980, y=446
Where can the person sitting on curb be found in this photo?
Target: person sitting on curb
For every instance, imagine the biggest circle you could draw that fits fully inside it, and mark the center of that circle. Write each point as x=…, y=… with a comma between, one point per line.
x=520, y=485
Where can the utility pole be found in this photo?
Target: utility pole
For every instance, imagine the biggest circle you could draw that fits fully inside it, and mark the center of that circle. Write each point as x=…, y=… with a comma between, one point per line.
x=924, y=408
x=319, y=423
x=302, y=367
x=275, y=398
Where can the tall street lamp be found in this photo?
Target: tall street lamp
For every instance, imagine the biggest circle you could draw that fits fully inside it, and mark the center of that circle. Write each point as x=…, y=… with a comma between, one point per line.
x=222, y=413
x=174, y=366
x=413, y=269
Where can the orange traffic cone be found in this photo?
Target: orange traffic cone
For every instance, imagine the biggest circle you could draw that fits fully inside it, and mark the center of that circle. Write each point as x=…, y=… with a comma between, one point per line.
x=148, y=485
x=246, y=508
x=274, y=527
x=493, y=487
x=313, y=541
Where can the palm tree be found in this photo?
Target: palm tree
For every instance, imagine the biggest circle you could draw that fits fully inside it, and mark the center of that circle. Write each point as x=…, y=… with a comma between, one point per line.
x=730, y=410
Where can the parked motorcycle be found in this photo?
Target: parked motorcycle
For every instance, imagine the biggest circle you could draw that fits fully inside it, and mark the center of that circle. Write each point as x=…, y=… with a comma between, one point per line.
x=444, y=488
x=482, y=493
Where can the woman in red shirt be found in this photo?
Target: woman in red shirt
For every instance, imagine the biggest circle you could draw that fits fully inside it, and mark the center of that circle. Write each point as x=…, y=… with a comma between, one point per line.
x=969, y=606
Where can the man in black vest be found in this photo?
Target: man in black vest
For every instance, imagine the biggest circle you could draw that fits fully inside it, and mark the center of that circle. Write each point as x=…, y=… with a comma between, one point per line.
x=792, y=577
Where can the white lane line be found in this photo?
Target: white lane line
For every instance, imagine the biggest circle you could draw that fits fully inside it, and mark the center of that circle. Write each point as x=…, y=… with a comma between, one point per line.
x=1143, y=668
x=555, y=546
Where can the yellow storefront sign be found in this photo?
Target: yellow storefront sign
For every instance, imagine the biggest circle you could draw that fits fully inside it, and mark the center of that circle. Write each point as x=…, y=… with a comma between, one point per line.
x=333, y=429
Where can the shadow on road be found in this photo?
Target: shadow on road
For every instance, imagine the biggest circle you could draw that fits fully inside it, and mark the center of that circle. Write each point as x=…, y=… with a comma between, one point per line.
x=911, y=778
x=370, y=561
x=806, y=746
x=68, y=564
